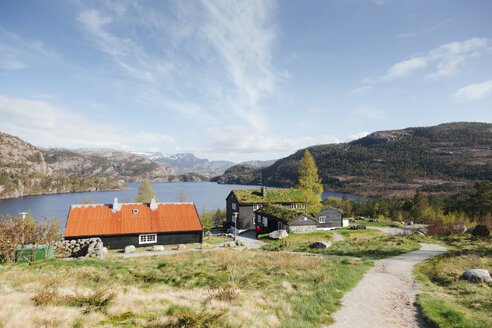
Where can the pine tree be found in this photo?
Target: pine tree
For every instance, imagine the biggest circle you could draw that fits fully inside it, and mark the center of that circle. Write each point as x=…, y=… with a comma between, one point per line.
x=145, y=192
x=309, y=182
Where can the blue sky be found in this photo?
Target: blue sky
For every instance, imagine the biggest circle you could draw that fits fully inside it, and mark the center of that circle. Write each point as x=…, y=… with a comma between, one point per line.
x=239, y=80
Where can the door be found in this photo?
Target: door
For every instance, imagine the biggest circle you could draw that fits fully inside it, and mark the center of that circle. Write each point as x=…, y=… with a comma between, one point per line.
x=280, y=226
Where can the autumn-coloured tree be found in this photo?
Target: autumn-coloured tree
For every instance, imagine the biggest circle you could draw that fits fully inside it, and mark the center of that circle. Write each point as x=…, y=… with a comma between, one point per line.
x=145, y=192
x=309, y=182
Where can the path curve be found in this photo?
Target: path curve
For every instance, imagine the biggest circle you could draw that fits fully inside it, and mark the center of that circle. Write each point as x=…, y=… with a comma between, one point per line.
x=386, y=295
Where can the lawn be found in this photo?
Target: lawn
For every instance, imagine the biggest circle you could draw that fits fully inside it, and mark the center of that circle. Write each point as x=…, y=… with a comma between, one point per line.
x=449, y=301
x=367, y=243
x=223, y=288
x=381, y=223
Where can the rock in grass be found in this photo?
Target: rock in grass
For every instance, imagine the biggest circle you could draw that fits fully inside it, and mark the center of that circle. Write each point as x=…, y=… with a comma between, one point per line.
x=357, y=226
x=320, y=244
x=239, y=243
x=477, y=275
x=129, y=249
x=278, y=234
x=157, y=248
x=180, y=247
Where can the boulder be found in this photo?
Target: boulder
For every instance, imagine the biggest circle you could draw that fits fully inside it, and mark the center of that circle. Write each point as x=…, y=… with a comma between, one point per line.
x=129, y=249
x=180, y=247
x=206, y=246
x=477, y=275
x=358, y=226
x=239, y=243
x=157, y=248
x=320, y=244
x=207, y=233
x=278, y=234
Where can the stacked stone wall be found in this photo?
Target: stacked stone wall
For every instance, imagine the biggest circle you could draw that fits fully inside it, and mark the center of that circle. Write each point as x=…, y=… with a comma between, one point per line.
x=84, y=247
x=301, y=229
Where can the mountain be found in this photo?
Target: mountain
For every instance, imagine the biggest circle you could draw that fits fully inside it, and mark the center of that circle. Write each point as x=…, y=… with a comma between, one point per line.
x=24, y=171
x=107, y=163
x=187, y=163
x=259, y=163
x=396, y=162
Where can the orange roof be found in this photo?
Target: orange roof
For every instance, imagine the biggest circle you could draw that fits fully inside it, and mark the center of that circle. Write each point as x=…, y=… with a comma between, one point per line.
x=96, y=220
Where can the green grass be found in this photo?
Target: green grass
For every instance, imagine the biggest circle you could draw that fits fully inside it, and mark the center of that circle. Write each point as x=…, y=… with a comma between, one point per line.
x=448, y=300
x=221, y=289
x=368, y=243
x=381, y=223
x=216, y=240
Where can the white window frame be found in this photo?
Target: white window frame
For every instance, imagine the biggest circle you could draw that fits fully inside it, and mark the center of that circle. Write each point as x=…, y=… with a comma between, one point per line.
x=148, y=238
x=322, y=219
x=234, y=207
x=265, y=222
x=135, y=211
x=256, y=207
x=293, y=206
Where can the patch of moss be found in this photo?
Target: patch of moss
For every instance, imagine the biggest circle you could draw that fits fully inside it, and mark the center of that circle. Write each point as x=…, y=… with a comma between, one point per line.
x=254, y=196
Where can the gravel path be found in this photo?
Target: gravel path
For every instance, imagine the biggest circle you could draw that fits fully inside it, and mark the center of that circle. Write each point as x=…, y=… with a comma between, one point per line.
x=385, y=296
x=337, y=237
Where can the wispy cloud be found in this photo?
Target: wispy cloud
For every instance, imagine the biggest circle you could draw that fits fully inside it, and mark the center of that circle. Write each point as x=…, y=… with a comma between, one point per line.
x=432, y=28
x=223, y=57
x=41, y=123
x=475, y=91
x=443, y=61
x=364, y=113
x=17, y=53
x=239, y=139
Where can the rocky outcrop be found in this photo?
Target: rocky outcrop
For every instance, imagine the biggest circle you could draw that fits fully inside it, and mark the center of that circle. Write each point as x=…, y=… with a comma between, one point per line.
x=108, y=163
x=84, y=247
x=320, y=244
x=278, y=234
x=477, y=275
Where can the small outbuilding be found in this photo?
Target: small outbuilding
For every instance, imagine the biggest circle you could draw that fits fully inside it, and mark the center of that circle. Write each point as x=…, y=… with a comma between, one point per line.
x=329, y=218
x=139, y=224
x=272, y=217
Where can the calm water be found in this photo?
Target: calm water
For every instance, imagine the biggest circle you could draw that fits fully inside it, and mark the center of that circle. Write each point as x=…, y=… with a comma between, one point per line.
x=204, y=194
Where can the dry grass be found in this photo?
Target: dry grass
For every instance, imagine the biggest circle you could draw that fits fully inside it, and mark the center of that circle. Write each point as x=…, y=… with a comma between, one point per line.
x=221, y=288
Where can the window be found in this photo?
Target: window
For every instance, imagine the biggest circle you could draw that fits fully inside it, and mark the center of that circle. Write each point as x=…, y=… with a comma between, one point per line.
x=322, y=219
x=135, y=211
x=256, y=207
x=265, y=221
x=293, y=206
x=147, y=239
x=254, y=221
x=234, y=206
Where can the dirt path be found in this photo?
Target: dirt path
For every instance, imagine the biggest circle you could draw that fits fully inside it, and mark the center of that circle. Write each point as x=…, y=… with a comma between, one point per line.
x=337, y=237
x=385, y=296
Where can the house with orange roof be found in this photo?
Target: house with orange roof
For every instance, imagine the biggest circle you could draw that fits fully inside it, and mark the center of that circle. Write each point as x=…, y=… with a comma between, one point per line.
x=139, y=224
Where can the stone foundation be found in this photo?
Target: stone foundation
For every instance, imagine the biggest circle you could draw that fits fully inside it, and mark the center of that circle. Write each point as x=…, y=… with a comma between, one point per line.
x=301, y=229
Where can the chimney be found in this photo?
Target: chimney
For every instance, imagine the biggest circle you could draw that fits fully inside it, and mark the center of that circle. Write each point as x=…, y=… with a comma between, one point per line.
x=153, y=204
x=116, y=205
x=263, y=192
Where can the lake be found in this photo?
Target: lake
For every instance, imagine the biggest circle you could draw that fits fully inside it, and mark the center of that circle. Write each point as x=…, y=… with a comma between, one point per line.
x=208, y=195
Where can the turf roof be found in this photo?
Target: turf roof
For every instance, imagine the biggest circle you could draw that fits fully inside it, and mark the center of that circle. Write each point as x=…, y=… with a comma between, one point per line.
x=253, y=196
x=279, y=212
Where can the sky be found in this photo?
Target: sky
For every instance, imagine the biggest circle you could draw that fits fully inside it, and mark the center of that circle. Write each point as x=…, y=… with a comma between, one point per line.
x=239, y=80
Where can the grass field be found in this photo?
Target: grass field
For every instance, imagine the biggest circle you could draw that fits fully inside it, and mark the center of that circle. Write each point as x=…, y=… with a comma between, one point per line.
x=381, y=223
x=367, y=243
x=450, y=301
x=223, y=288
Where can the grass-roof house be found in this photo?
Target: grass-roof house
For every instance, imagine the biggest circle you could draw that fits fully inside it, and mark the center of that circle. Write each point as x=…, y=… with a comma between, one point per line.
x=242, y=204
x=273, y=217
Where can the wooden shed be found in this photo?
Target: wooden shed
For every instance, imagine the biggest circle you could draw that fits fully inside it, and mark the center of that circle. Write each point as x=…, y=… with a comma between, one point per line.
x=272, y=217
x=139, y=224
x=329, y=218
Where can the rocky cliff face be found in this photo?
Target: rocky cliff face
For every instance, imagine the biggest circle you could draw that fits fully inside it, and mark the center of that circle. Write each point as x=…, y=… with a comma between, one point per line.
x=24, y=171
x=106, y=163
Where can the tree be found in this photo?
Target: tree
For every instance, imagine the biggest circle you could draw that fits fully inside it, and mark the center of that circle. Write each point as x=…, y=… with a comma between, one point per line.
x=309, y=182
x=181, y=196
x=145, y=192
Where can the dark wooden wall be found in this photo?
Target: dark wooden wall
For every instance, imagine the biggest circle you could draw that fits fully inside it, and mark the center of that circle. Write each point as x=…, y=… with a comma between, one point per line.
x=333, y=218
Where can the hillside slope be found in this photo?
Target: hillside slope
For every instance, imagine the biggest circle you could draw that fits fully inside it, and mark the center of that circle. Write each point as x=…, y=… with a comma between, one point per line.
x=23, y=171
x=396, y=162
x=108, y=163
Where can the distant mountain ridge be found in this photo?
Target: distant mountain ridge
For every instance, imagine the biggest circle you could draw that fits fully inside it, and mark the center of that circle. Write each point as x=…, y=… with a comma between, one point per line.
x=395, y=162
x=188, y=163
x=108, y=163
x=24, y=171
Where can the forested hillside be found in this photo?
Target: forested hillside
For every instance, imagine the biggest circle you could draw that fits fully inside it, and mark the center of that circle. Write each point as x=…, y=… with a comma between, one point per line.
x=396, y=162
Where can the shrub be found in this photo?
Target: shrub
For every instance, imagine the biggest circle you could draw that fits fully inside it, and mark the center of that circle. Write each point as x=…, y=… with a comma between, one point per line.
x=481, y=231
